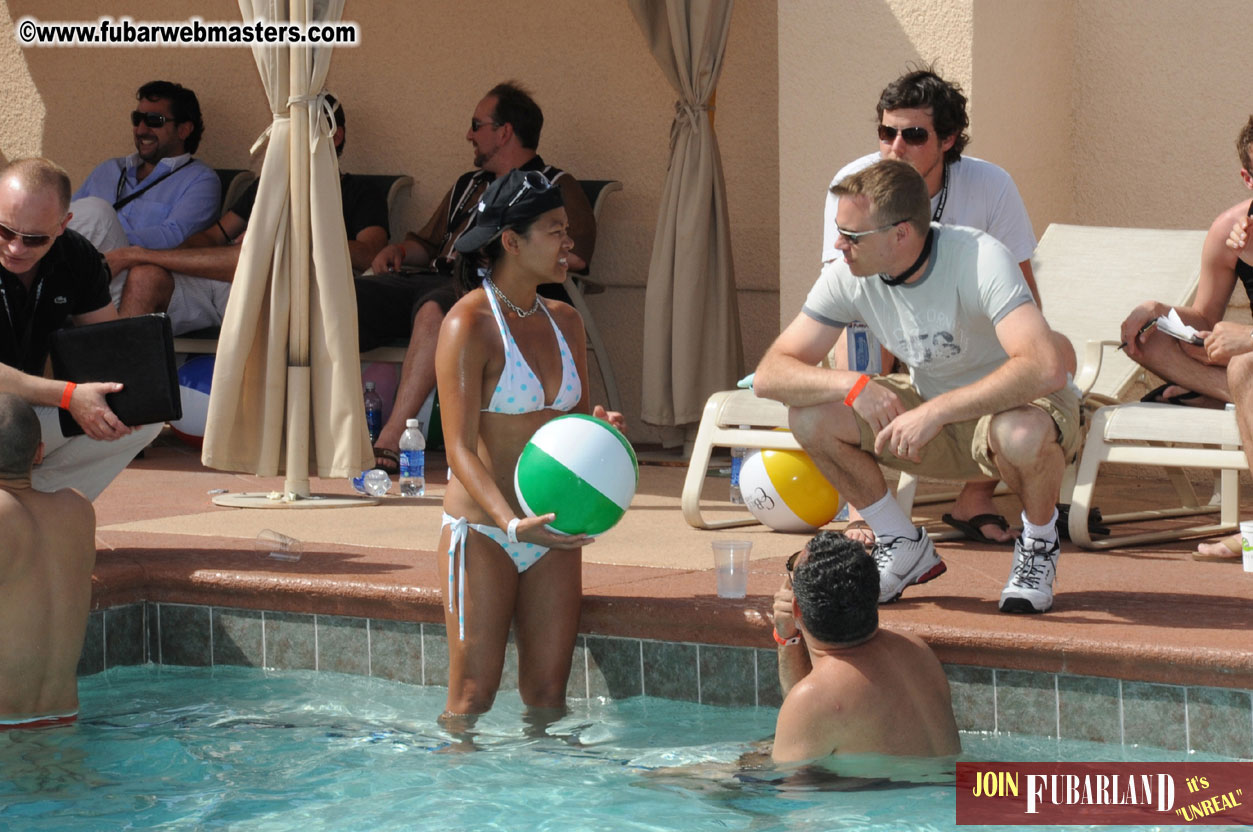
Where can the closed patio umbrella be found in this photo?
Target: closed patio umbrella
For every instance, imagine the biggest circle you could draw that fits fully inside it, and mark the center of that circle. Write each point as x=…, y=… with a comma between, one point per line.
x=286, y=390
x=692, y=342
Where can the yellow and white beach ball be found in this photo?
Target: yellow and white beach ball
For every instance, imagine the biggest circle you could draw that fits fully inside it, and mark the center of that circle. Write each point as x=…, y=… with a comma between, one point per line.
x=787, y=492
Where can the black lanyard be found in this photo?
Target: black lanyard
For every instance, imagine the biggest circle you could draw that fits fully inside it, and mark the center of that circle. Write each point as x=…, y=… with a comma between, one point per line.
x=20, y=349
x=908, y=273
x=457, y=215
x=939, y=208
x=119, y=201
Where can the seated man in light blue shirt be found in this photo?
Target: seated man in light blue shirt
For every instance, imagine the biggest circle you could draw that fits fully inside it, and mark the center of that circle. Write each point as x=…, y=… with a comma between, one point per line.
x=159, y=195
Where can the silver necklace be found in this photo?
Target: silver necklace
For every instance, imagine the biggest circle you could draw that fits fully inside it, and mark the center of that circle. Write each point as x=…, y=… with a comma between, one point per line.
x=521, y=313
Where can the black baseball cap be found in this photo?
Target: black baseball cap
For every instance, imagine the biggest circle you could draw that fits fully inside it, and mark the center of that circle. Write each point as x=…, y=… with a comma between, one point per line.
x=516, y=197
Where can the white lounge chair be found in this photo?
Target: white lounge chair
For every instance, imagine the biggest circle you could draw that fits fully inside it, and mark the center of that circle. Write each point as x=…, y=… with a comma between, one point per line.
x=1109, y=270
x=1089, y=278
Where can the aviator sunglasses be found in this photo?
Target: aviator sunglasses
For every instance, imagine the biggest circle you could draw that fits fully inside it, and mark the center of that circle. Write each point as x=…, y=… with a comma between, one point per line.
x=29, y=240
x=531, y=180
x=153, y=120
x=913, y=136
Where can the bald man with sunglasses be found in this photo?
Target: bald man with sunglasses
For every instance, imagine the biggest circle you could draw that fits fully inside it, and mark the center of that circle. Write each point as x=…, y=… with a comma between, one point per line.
x=51, y=277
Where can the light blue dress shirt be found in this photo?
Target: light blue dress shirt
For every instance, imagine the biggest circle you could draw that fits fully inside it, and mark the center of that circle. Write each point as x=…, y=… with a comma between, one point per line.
x=167, y=213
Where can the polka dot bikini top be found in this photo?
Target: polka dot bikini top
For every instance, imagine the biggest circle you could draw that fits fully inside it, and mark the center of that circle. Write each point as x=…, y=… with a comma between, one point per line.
x=519, y=390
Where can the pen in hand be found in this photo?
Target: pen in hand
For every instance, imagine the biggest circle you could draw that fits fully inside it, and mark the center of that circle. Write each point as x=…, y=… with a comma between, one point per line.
x=1141, y=331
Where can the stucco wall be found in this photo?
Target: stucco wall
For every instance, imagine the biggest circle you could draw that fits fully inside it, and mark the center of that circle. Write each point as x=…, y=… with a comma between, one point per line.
x=409, y=90
x=1119, y=112
x=1160, y=93
x=1021, y=100
x=834, y=60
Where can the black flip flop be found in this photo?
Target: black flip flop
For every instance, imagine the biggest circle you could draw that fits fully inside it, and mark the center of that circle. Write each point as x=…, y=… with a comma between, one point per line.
x=972, y=530
x=391, y=459
x=1157, y=395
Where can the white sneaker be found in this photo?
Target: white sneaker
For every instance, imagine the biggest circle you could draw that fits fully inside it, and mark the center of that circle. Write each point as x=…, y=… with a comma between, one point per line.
x=1030, y=585
x=903, y=562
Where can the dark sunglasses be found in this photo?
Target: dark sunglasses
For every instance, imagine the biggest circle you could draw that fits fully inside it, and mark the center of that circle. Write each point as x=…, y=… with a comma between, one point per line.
x=29, y=240
x=913, y=136
x=791, y=562
x=153, y=120
x=476, y=125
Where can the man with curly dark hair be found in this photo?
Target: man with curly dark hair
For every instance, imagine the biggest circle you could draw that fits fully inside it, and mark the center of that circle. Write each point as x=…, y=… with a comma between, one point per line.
x=160, y=194
x=849, y=685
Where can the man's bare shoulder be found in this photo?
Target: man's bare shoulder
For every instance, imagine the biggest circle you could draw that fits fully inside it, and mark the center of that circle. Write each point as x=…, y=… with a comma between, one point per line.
x=67, y=507
x=1217, y=260
x=1224, y=220
x=906, y=646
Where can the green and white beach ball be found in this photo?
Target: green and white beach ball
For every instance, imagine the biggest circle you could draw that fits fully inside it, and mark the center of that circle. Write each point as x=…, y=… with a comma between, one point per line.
x=580, y=468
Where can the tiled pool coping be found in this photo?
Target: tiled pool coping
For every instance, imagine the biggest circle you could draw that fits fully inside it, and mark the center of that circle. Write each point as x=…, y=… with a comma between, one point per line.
x=1050, y=704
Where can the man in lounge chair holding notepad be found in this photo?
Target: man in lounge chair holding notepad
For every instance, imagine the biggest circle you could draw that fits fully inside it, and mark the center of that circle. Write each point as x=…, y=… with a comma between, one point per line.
x=51, y=276
x=1197, y=375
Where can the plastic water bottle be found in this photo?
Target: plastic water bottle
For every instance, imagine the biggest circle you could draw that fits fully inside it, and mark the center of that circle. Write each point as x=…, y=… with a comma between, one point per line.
x=373, y=412
x=737, y=462
x=374, y=482
x=412, y=460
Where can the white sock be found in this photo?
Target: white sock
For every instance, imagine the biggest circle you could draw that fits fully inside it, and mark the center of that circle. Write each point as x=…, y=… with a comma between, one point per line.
x=1044, y=534
x=886, y=518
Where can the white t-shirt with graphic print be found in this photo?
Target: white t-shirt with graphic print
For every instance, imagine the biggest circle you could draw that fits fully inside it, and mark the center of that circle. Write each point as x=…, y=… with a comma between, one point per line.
x=943, y=325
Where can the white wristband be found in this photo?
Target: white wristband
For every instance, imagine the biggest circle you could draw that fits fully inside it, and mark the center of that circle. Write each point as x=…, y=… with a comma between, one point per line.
x=512, y=530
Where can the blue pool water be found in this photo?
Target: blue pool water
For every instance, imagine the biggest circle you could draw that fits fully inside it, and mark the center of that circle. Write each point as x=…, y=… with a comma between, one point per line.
x=235, y=748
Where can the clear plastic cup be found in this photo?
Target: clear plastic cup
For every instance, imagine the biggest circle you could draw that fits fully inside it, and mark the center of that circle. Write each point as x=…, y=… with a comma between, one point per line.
x=731, y=567
x=1246, y=545
x=278, y=546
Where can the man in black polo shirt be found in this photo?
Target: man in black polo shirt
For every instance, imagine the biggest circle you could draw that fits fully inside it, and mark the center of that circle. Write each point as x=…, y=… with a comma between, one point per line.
x=51, y=276
x=191, y=283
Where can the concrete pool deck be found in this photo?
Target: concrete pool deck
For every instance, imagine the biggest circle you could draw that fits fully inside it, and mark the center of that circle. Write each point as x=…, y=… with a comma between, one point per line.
x=1149, y=614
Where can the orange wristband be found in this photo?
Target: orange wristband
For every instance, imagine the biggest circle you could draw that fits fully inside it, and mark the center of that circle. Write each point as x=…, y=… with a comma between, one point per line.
x=785, y=642
x=856, y=391
x=67, y=394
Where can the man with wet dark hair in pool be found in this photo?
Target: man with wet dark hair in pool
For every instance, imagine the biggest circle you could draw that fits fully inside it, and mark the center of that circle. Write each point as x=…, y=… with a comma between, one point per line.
x=850, y=686
x=47, y=552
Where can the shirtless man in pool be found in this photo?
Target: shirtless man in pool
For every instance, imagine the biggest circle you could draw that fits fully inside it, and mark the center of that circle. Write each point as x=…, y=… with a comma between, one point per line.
x=850, y=686
x=47, y=552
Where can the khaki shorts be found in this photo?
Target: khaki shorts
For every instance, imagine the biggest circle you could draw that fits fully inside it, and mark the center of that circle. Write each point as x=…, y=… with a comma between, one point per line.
x=960, y=450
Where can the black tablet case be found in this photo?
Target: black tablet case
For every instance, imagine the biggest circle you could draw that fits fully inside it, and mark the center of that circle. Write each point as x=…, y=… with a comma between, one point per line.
x=138, y=352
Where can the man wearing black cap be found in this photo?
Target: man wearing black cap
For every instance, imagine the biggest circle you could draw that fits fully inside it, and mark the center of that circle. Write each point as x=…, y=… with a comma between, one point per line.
x=412, y=287
x=849, y=685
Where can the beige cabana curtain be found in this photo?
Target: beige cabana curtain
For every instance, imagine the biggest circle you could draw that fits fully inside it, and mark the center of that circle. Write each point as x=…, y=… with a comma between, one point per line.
x=286, y=393
x=691, y=319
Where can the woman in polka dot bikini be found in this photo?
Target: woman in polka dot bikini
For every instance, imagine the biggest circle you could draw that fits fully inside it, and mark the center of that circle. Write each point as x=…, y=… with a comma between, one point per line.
x=508, y=361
